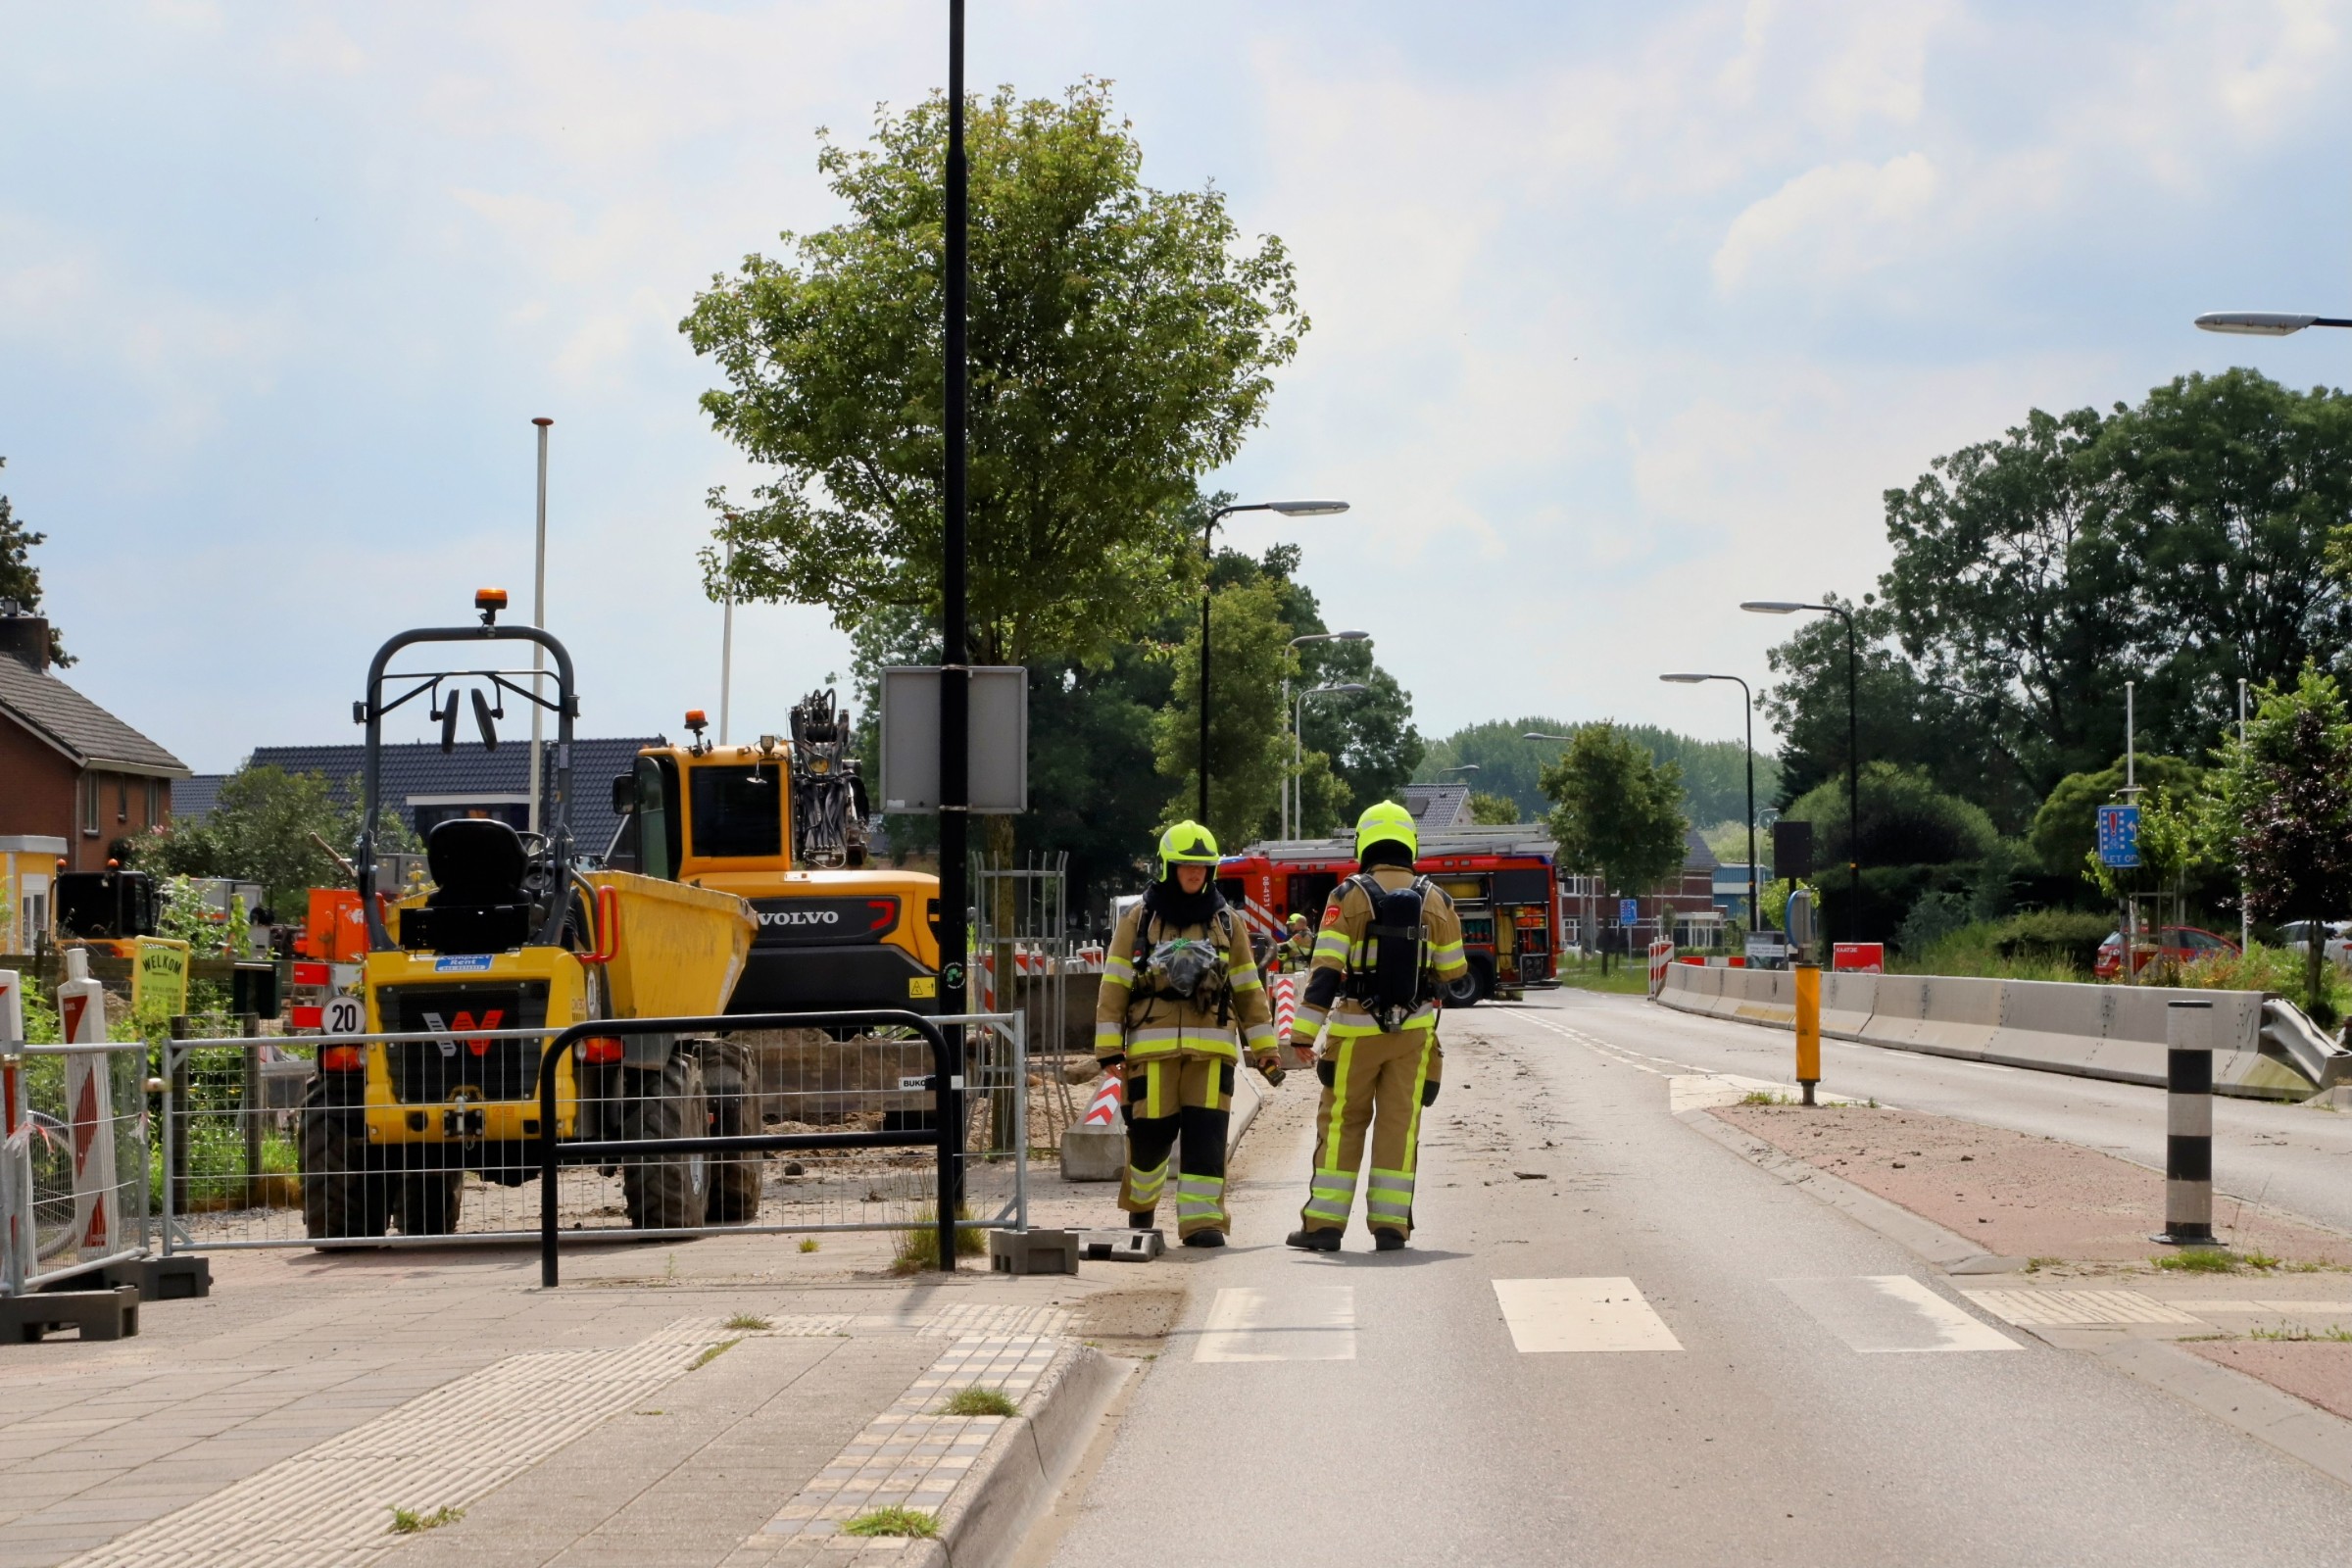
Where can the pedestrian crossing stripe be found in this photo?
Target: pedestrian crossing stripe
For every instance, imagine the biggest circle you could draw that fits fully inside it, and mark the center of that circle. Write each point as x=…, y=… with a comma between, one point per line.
x=1602, y=1315
x=1299, y=1323
x=1880, y=1314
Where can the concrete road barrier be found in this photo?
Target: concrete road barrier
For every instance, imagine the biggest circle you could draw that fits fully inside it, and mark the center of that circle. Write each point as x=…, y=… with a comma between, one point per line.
x=2264, y=1048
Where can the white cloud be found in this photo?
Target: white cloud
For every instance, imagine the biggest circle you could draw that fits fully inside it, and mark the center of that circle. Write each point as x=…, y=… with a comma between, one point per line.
x=1832, y=223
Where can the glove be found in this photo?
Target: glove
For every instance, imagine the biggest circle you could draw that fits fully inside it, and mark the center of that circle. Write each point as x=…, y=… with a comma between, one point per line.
x=1112, y=1063
x=1326, y=1071
x=1428, y=1093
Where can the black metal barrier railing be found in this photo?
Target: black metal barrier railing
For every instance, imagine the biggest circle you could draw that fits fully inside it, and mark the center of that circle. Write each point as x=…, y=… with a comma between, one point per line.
x=946, y=1133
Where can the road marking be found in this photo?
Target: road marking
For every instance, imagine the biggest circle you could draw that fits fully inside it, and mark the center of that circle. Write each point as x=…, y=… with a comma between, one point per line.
x=1597, y=1314
x=1302, y=1323
x=2062, y=1309
x=1891, y=1314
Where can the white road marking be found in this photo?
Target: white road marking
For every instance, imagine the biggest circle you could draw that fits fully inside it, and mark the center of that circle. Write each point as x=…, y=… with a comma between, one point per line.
x=1883, y=1314
x=2061, y=1309
x=1596, y=1314
x=1301, y=1323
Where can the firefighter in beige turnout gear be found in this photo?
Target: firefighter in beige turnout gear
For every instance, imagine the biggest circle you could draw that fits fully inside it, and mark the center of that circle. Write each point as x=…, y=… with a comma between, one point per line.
x=1388, y=940
x=1181, y=998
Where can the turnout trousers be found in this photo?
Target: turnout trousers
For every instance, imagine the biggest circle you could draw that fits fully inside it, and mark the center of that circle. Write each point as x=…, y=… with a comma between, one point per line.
x=1180, y=1100
x=1375, y=1087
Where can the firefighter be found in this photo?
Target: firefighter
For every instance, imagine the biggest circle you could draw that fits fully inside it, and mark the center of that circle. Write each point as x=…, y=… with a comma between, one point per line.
x=1389, y=940
x=1297, y=949
x=1181, y=998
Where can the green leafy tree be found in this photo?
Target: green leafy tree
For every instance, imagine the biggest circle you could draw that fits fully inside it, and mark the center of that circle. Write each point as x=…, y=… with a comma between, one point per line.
x=261, y=830
x=1714, y=773
x=1493, y=810
x=1906, y=820
x=2182, y=543
x=2174, y=844
x=19, y=579
x=1617, y=812
x=1245, y=720
x=2067, y=827
x=2282, y=808
x=1121, y=344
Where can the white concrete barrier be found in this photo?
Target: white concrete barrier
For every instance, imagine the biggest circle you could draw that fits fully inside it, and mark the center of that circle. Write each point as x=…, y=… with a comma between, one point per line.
x=2093, y=1031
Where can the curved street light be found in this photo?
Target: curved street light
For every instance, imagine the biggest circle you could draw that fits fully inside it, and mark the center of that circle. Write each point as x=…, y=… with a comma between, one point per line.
x=2264, y=324
x=1748, y=701
x=1853, y=743
x=1208, y=534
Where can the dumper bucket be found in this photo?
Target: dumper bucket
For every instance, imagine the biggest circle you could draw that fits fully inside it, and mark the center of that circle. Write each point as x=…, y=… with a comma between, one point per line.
x=679, y=951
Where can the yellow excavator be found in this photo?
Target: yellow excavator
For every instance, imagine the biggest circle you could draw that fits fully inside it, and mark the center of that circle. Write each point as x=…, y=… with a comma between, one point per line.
x=512, y=934
x=783, y=824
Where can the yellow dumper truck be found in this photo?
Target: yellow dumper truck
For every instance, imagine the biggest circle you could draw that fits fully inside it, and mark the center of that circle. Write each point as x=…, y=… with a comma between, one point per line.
x=513, y=935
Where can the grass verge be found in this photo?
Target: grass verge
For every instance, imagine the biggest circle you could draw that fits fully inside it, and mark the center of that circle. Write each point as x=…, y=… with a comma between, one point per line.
x=977, y=1400
x=894, y=1521
x=913, y=1251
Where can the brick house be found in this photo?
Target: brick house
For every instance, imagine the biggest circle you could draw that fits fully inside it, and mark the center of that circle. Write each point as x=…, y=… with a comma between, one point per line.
x=70, y=770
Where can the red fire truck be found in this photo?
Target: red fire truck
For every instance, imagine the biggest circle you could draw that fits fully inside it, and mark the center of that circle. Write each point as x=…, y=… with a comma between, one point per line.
x=1500, y=878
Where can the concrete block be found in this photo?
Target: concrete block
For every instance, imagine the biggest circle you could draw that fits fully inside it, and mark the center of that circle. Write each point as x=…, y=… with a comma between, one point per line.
x=180, y=1278
x=1093, y=1155
x=1121, y=1245
x=109, y=1314
x=1032, y=1251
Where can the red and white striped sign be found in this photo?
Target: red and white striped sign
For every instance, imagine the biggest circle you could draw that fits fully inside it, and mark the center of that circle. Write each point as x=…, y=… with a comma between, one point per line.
x=1103, y=1110
x=1285, y=1004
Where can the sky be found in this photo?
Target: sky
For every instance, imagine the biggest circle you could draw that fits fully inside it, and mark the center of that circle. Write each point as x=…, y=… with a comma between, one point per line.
x=1621, y=314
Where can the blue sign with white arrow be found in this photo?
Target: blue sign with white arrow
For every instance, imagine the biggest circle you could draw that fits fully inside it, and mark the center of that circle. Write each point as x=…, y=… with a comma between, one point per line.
x=2119, y=836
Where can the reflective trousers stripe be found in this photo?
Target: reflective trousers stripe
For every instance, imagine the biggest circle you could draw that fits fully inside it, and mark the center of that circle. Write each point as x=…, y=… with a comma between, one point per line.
x=1200, y=1204
x=1142, y=1186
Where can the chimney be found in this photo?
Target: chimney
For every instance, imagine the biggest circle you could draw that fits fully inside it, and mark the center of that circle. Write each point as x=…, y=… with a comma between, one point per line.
x=24, y=637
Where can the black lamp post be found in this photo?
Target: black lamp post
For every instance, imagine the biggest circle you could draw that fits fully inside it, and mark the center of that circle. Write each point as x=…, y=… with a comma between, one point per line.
x=1209, y=533
x=1853, y=743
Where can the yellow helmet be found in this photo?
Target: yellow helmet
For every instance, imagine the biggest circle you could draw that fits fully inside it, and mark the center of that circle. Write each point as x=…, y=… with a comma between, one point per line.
x=1186, y=843
x=1385, y=821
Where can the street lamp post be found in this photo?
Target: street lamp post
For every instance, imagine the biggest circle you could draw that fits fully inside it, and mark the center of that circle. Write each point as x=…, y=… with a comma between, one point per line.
x=1853, y=742
x=1208, y=534
x=1348, y=688
x=1291, y=783
x=1748, y=705
x=538, y=619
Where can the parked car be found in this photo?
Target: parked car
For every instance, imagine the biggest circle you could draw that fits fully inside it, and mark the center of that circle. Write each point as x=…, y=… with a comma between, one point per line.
x=2175, y=945
x=2335, y=946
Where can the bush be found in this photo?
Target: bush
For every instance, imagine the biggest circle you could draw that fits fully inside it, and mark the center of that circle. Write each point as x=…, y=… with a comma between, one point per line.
x=2073, y=935
x=1906, y=820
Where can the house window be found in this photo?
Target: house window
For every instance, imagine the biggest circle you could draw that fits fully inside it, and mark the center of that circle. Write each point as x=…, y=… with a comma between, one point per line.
x=121, y=800
x=154, y=801
x=89, y=805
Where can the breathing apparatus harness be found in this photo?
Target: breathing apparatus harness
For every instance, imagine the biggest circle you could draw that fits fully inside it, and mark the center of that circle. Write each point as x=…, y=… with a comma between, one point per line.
x=1185, y=968
x=1398, y=980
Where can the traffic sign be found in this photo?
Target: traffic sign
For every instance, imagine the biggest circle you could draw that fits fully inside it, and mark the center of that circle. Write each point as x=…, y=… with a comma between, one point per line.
x=1628, y=911
x=342, y=1015
x=2119, y=835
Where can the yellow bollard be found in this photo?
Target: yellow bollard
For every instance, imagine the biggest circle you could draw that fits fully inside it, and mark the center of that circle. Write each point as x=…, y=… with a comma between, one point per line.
x=1808, y=1027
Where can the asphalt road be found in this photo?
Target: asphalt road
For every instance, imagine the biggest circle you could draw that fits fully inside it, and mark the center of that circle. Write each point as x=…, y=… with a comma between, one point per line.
x=1685, y=1361
x=2292, y=1156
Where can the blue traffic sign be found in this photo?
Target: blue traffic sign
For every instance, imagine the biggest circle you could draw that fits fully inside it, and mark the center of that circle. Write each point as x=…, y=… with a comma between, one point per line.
x=2119, y=836
x=1628, y=911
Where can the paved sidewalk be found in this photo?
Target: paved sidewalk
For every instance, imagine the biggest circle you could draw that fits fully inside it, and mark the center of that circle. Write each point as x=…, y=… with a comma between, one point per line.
x=639, y=1414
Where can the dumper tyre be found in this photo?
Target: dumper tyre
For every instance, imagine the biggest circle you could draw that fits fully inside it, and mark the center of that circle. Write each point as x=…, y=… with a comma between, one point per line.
x=666, y=1192
x=734, y=1178
x=429, y=1202
x=343, y=1194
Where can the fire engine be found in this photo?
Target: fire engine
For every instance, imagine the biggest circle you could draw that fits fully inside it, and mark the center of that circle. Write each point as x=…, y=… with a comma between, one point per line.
x=1502, y=880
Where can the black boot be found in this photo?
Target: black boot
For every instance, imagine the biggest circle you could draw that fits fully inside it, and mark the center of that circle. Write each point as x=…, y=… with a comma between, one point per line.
x=1205, y=1238
x=1315, y=1241
x=1140, y=1222
x=1388, y=1241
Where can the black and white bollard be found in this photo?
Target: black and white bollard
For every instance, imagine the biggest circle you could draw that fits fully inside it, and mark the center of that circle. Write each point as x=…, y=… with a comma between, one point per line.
x=2189, y=1125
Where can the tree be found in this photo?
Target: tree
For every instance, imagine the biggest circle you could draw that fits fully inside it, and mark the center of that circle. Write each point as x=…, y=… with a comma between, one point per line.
x=260, y=830
x=1245, y=720
x=1120, y=346
x=1618, y=812
x=19, y=579
x=2281, y=808
x=1493, y=810
x=2066, y=828
x=1906, y=820
x=2181, y=543
x=1714, y=773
